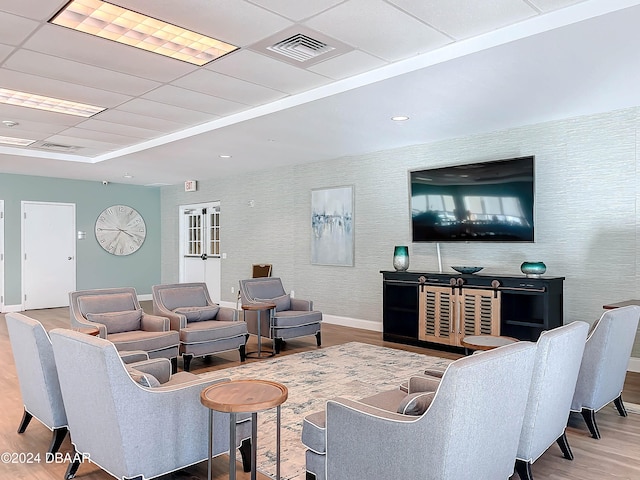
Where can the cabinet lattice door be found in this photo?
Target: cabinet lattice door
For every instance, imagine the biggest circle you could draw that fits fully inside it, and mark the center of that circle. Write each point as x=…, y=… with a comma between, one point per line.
x=447, y=314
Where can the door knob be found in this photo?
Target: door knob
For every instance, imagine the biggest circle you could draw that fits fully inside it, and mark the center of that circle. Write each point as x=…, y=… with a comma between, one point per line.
x=203, y=256
x=69, y=258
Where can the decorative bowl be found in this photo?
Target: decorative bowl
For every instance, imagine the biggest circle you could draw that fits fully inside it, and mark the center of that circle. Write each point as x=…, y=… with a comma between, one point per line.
x=467, y=269
x=533, y=269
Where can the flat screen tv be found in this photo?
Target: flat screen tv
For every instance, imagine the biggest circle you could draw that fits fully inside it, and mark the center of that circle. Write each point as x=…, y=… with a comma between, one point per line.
x=488, y=201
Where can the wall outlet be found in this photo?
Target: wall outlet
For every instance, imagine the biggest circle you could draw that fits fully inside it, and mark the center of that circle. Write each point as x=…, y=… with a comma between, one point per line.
x=292, y=294
x=233, y=289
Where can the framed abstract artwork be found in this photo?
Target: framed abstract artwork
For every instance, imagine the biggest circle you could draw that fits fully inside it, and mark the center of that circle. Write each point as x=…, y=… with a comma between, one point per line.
x=332, y=222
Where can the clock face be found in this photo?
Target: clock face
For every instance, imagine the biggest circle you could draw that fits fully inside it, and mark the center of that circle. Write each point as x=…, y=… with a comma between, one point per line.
x=120, y=230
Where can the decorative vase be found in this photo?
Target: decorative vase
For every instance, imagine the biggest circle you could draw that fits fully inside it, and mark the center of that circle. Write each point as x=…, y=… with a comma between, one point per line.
x=401, y=258
x=533, y=269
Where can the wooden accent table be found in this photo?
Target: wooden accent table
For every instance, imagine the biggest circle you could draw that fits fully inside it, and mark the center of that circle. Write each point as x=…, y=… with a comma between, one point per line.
x=259, y=307
x=626, y=303
x=95, y=331
x=486, y=342
x=243, y=396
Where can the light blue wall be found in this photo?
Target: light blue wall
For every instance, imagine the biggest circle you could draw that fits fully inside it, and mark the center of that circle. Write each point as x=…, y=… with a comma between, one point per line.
x=95, y=268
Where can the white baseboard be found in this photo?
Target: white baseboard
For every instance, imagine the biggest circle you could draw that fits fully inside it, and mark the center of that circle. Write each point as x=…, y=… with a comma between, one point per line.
x=145, y=297
x=352, y=322
x=634, y=365
x=12, y=308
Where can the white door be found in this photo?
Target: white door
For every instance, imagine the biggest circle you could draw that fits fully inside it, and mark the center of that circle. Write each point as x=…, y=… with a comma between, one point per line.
x=1, y=255
x=48, y=254
x=200, y=246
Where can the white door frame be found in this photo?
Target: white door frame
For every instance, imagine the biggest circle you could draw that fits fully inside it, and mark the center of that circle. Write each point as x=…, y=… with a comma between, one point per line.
x=23, y=252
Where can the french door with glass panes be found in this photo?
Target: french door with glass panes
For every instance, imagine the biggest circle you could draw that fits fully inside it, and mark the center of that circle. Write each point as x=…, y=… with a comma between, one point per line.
x=200, y=246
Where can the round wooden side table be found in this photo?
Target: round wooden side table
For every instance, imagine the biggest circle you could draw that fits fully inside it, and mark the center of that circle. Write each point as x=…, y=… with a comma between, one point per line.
x=486, y=342
x=243, y=396
x=260, y=307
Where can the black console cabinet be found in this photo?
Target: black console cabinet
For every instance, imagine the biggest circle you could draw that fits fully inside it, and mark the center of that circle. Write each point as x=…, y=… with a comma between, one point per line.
x=528, y=306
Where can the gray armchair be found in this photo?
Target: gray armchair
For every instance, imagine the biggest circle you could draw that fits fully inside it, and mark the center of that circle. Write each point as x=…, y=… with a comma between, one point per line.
x=468, y=428
x=37, y=376
x=555, y=371
x=205, y=328
x=604, y=364
x=127, y=429
x=293, y=317
x=118, y=315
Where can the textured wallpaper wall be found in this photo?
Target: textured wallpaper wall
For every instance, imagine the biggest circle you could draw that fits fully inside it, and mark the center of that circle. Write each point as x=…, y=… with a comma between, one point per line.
x=585, y=217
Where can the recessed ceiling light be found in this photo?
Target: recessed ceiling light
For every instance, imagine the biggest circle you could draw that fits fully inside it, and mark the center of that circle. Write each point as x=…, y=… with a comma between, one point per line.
x=9, y=123
x=225, y=156
x=399, y=118
x=21, y=142
x=50, y=104
x=115, y=23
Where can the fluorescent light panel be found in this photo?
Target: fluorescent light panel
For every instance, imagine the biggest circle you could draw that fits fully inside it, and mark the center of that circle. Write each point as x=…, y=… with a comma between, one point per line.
x=50, y=104
x=131, y=28
x=20, y=142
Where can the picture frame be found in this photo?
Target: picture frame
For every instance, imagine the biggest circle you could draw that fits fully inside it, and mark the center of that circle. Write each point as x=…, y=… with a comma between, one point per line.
x=332, y=226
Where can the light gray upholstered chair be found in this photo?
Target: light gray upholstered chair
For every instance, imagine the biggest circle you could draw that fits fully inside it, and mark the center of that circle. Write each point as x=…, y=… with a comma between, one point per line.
x=205, y=328
x=129, y=430
x=118, y=315
x=293, y=317
x=604, y=364
x=470, y=428
x=37, y=376
x=555, y=371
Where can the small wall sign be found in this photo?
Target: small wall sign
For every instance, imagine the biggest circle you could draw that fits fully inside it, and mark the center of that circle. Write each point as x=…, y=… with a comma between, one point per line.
x=190, y=186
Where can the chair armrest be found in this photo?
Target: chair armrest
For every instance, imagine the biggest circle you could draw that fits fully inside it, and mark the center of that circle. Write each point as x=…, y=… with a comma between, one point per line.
x=158, y=367
x=133, y=356
x=176, y=321
x=423, y=384
x=227, y=314
x=301, y=305
x=84, y=323
x=154, y=323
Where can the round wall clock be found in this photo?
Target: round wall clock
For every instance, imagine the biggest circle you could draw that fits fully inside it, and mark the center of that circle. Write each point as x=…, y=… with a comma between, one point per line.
x=120, y=230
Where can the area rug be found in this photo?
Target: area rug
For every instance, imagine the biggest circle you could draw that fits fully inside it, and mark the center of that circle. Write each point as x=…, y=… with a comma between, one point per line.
x=352, y=370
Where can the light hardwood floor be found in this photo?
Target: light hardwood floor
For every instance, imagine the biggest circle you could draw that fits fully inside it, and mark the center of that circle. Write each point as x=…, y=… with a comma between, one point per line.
x=615, y=456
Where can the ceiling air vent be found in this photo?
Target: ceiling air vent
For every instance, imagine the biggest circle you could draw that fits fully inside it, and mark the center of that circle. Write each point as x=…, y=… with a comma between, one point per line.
x=58, y=147
x=301, y=47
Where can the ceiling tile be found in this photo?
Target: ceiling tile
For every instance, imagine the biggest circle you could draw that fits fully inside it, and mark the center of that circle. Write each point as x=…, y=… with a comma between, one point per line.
x=24, y=114
x=35, y=9
x=464, y=19
x=194, y=100
x=403, y=37
x=73, y=72
x=167, y=112
x=83, y=142
x=262, y=70
x=347, y=65
x=226, y=20
x=25, y=82
x=101, y=136
x=233, y=89
x=83, y=48
x=142, y=121
x=119, y=129
x=5, y=51
x=15, y=29
x=549, y=5
x=296, y=10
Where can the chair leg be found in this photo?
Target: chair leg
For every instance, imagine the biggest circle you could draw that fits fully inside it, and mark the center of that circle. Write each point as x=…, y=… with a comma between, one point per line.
x=72, y=469
x=310, y=476
x=620, y=406
x=563, y=443
x=278, y=343
x=245, y=453
x=590, y=419
x=524, y=470
x=56, y=440
x=318, y=338
x=243, y=352
x=186, y=358
x=24, y=423
x=174, y=365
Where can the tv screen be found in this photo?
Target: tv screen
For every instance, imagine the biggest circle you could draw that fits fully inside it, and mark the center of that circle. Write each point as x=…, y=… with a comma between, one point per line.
x=488, y=201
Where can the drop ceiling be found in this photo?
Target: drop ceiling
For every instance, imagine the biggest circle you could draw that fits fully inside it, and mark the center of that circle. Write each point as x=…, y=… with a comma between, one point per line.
x=455, y=67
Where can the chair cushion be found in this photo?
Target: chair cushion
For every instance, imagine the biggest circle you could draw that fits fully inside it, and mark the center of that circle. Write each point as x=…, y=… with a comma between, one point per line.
x=211, y=330
x=314, y=430
x=198, y=314
x=182, y=296
x=282, y=302
x=117, y=322
x=415, y=403
x=295, y=318
x=110, y=302
x=147, y=341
